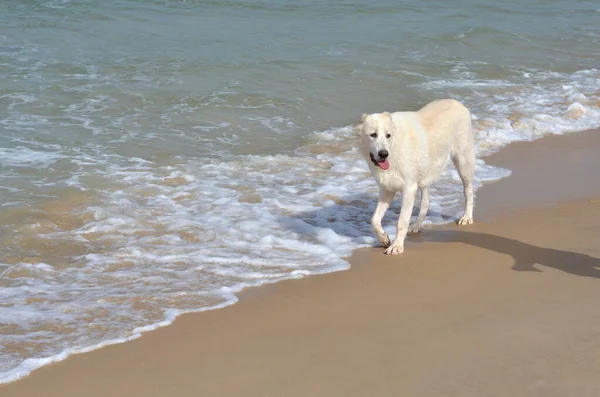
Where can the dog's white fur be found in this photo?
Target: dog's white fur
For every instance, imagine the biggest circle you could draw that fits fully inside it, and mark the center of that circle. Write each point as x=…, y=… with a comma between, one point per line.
x=419, y=145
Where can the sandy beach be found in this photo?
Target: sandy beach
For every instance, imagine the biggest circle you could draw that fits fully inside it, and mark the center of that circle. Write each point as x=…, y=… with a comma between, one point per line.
x=505, y=307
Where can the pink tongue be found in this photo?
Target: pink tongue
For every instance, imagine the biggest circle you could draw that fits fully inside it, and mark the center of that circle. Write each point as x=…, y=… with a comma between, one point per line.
x=383, y=164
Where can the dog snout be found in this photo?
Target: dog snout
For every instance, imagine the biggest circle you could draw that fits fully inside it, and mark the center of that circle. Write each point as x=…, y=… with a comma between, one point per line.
x=383, y=154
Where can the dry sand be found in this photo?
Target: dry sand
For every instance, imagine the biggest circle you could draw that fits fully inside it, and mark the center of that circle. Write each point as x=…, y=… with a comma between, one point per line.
x=505, y=307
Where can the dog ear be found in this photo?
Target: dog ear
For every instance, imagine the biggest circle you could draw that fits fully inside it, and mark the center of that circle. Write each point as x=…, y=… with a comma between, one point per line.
x=360, y=126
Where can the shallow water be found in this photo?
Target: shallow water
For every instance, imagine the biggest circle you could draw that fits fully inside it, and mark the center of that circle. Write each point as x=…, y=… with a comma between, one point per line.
x=158, y=156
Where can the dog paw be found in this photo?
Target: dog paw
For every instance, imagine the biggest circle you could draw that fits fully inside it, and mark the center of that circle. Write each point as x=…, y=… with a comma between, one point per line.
x=414, y=229
x=465, y=220
x=384, y=240
x=394, y=250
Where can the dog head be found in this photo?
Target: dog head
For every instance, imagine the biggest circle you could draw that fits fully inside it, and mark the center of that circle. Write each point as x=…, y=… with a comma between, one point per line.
x=375, y=132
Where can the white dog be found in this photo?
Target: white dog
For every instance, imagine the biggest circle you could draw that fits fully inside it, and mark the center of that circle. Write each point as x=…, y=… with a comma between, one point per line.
x=407, y=151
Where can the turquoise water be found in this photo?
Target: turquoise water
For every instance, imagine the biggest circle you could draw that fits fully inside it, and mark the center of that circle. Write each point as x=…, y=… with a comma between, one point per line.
x=158, y=156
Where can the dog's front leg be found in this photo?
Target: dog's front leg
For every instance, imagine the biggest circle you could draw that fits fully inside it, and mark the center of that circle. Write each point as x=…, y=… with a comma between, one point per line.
x=385, y=198
x=408, y=202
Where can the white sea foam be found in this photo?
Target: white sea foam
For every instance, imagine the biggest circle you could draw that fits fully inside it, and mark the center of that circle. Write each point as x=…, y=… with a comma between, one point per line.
x=25, y=157
x=30, y=364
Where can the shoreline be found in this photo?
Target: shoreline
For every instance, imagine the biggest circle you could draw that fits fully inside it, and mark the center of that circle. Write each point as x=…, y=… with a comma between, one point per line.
x=538, y=191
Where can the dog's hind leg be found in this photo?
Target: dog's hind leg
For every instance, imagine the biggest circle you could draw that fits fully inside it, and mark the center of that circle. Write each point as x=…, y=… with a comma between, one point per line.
x=464, y=161
x=385, y=198
x=414, y=229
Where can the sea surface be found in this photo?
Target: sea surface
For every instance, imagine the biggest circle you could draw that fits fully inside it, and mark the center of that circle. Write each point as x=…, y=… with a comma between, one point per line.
x=159, y=156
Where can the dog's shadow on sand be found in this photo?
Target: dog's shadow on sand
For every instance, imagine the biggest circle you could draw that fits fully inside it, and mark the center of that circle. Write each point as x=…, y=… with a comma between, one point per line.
x=350, y=217
x=526, y=256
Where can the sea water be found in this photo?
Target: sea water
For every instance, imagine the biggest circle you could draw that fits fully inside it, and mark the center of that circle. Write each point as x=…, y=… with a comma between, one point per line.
x=158, y=156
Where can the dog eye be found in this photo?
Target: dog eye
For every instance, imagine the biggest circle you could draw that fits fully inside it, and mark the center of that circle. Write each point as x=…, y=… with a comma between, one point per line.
x=388, y=136
x=374, y=135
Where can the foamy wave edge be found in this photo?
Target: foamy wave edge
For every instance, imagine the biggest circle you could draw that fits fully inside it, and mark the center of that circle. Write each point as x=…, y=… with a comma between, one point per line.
x=31, y=364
